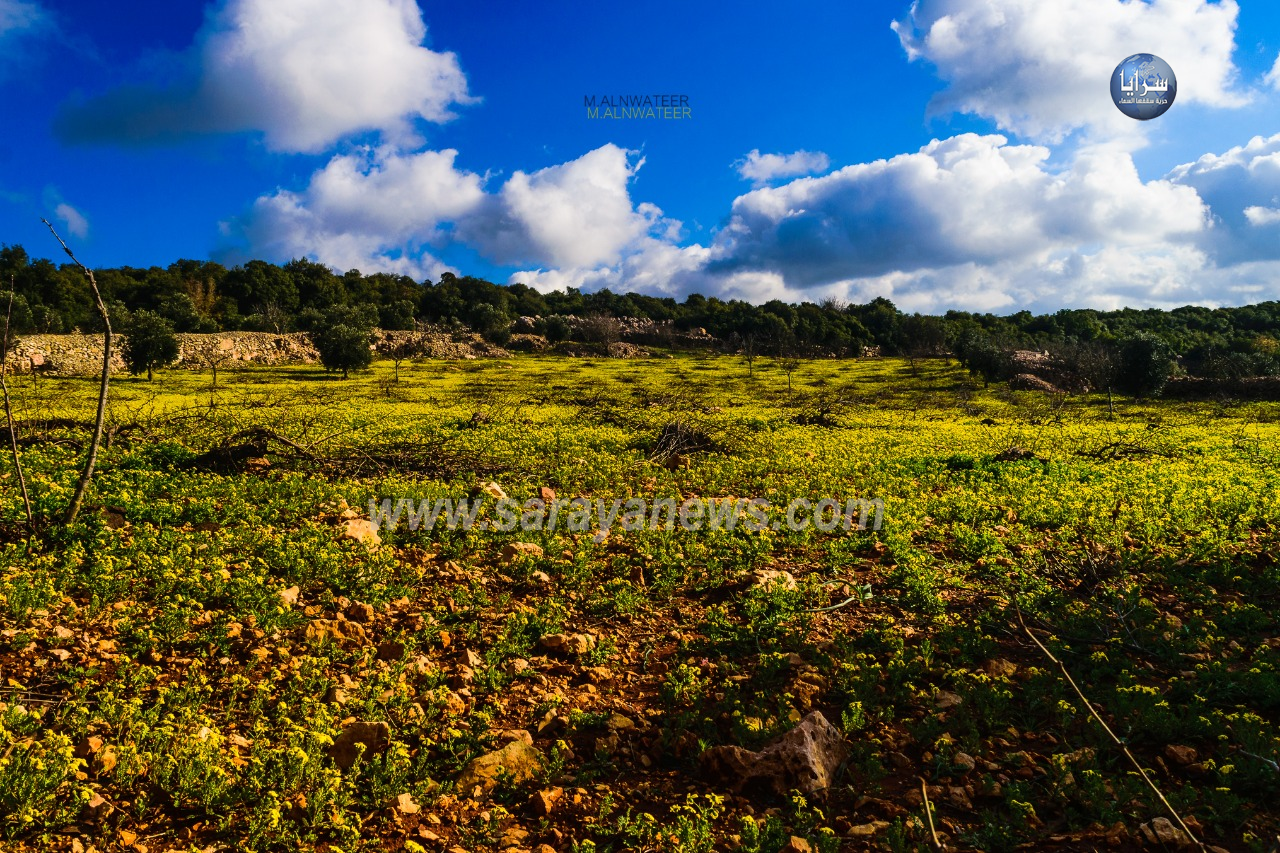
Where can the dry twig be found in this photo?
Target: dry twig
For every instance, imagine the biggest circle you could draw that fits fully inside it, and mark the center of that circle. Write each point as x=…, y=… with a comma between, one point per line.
x=82, y=485
x=928, y=813
x=8, y=411
x=1089, y=707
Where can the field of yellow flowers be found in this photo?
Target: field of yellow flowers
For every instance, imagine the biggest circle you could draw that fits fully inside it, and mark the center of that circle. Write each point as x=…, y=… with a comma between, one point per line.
x=223, y=654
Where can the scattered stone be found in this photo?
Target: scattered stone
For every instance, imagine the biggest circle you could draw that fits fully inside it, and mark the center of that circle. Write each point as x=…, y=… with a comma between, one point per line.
x=945, y=700
x=471, y=659
x=805, y=758
x=546, y=495
x=494, y=491
x=541, y=578
x=1181, y=755
x=98, y=809
x=866, y=830
x=405, y=804
x=959, y=798
x=336, y=696
x=1162, y=831
x=619, y=723
x=335, y=630
x=517, y=734
x=373, y=737
x=899, y=760
x=105, y=761
x=568, y=644
x=517, y=759
x=361, y=612
x=544, y=802
x=88, y=747
x=1001, y=668
x=455, y=705
x=361, y=530
x=289, y=597
x=796, y=845
x=964, y=762
x=764, y=578
x=513, y=837
x=515, y=667
x=515, y=550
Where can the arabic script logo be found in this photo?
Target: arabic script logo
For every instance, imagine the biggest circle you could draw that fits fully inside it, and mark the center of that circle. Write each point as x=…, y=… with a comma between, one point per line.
x=1143, y=86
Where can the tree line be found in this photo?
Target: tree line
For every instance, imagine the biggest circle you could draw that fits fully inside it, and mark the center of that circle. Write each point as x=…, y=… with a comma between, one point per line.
x=302, y=295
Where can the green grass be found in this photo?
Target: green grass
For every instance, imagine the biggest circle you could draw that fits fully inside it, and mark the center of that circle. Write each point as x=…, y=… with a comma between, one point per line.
x=1141, y=547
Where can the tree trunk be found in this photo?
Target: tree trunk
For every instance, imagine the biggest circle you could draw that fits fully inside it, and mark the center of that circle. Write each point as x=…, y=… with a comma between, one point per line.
x=148, y=373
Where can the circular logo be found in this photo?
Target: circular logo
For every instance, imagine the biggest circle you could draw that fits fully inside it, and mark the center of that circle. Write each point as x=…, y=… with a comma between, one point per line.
x=1143, y=86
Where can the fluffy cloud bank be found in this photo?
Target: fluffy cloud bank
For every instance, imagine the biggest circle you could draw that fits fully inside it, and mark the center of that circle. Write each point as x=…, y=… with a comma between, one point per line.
x=1242, y=185
x=968, y=199
x=970, y=222
x=381, y=209
x=305, y=73
x=973, y=221
x=1037, y=68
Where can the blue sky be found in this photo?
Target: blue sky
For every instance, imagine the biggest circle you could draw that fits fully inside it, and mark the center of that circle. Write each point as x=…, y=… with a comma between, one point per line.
x=950, y=154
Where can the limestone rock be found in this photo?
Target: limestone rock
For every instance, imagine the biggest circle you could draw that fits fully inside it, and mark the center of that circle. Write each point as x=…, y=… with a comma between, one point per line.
x=568, y=644
x=515, y=550
x=766, y=578
x=338, y=630
x=361, y=530
x=805, y=758
x=517, y=759
x=1162, y=831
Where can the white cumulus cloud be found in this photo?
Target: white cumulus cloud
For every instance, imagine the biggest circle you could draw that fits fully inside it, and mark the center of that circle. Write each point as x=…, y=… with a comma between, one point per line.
x=305, y=73
x=762, y=168
x=376, y=210
x=75, y=221
x=574, y=214
x=385, y=210
x=1042, y=69
x=967, y=199
x=1242, y=187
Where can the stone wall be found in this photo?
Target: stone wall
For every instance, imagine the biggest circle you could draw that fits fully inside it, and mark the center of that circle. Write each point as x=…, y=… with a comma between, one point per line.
x=81, y=355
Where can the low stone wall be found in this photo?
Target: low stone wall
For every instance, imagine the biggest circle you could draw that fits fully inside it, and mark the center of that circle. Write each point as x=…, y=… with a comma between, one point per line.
x=81, y=355
x=1253, y=388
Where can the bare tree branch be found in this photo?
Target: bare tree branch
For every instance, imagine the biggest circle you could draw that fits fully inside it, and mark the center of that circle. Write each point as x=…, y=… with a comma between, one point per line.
x=1089, y=707
x=77, y=499
x=8, y=411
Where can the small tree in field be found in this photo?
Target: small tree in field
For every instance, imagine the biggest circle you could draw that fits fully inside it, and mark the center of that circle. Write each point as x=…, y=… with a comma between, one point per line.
x=343, y=339
x=149, y=343
x=1144, y=364
x=211, y=354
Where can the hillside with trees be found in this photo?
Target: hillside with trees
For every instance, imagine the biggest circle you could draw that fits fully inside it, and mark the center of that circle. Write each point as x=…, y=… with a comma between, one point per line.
x=204, y=296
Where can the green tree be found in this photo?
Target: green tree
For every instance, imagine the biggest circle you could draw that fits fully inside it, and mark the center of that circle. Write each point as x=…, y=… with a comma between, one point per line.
x=149, y=343
x=343, y=337
x=1145, y=362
